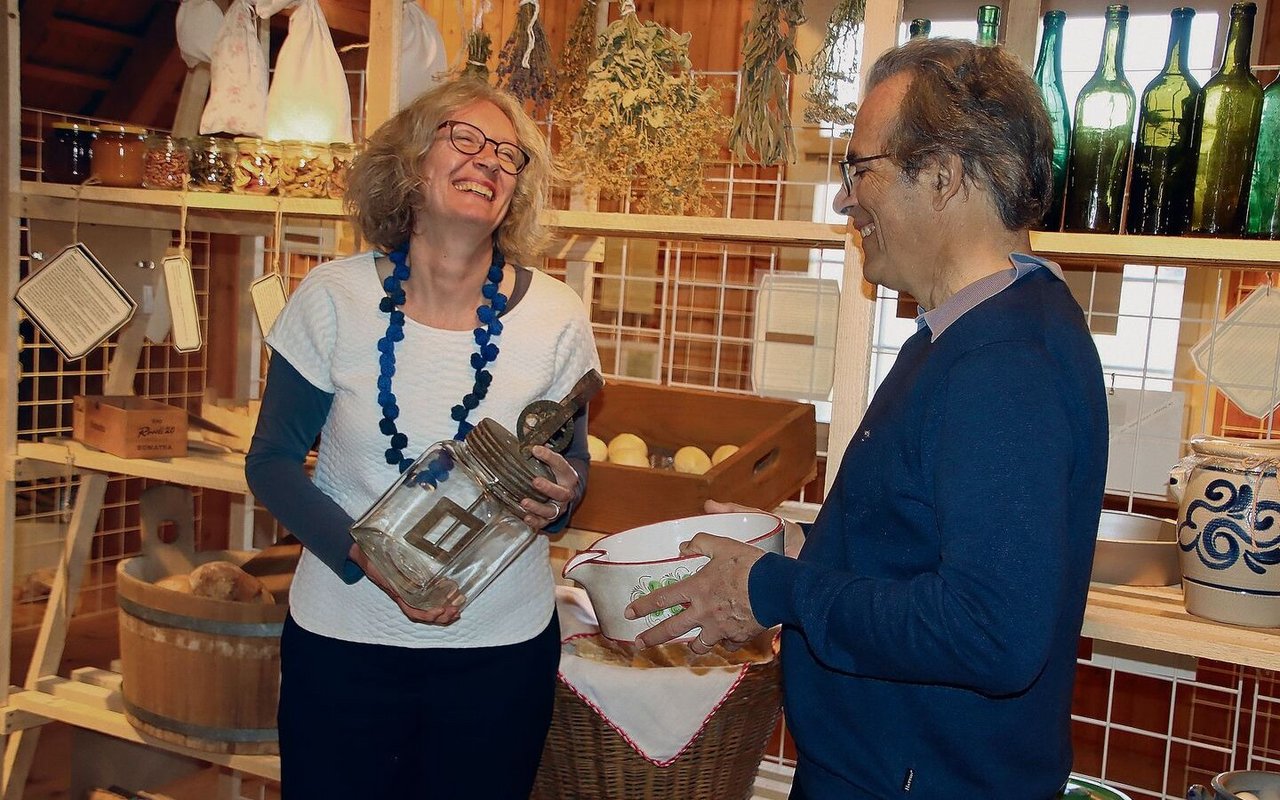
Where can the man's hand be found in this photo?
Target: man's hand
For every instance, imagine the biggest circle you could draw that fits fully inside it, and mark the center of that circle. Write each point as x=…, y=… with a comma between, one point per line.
x=715, y=597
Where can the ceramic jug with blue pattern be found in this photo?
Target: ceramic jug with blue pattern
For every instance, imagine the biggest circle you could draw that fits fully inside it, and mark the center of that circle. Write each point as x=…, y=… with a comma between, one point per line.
x=1229, y=529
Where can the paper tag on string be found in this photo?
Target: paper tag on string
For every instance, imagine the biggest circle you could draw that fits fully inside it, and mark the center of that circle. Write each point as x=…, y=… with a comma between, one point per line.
x=75, y=302
x=180, y=290
x=268, y=300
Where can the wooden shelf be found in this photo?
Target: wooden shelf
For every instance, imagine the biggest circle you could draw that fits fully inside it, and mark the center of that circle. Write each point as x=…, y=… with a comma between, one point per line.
x=1178, y=250
x=224, y=472
x=1154, y=618
x=219, y=212
x=112, y=723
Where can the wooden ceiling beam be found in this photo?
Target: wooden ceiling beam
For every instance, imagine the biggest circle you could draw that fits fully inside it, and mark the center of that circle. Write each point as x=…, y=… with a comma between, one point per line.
x=61, y=26
x=349, y=18
x=34, y=25
x=145, y=70
x=65, y=76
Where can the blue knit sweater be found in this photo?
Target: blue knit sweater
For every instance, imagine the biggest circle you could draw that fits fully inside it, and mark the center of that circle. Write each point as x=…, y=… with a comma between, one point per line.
x=931, y=621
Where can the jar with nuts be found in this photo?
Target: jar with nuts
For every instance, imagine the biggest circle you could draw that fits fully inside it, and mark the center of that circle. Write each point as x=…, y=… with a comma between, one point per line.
x=304, y=171
x=165, y=163
x=257, y=166
x=341, y=153
x=211, y=164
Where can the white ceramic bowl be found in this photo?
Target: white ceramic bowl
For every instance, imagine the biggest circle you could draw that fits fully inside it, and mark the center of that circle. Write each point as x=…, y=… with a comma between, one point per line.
x=625, y=566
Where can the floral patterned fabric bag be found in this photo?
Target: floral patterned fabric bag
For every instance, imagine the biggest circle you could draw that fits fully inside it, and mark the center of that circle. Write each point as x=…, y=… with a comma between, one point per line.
x=238, y=76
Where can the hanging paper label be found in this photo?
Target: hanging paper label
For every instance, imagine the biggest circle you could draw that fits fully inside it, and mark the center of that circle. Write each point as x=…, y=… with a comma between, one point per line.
x=75, y=302
x=268, y=300
x=181, y=292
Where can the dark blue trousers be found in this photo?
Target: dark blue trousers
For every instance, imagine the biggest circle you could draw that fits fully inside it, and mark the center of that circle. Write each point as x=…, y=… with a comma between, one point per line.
x=377, y=722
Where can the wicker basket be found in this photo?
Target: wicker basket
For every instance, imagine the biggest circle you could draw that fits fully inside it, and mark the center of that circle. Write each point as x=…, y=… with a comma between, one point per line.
x=585, y=759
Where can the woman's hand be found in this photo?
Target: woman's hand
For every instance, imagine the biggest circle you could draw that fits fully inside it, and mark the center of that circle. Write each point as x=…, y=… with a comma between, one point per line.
x=445, y=615
x=559, y=494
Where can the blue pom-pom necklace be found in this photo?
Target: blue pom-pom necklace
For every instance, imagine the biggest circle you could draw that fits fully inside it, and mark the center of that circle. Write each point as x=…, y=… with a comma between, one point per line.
x=485, y=334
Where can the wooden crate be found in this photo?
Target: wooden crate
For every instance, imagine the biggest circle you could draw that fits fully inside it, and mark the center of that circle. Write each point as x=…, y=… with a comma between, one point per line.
x=129, y=426
x=777, y=453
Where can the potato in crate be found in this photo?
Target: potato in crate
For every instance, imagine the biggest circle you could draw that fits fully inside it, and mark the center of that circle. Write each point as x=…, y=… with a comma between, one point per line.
x=776, y=453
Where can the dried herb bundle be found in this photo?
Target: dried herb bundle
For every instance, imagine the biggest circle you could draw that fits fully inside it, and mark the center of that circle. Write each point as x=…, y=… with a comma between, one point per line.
x=579, y=51
x=524, y=64
x=835, y=63
x=762, y=120
x=645, y=119
x=478, y=47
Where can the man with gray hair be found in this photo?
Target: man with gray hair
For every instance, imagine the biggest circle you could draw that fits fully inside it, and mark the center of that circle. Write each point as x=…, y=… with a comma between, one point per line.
x=930, y=622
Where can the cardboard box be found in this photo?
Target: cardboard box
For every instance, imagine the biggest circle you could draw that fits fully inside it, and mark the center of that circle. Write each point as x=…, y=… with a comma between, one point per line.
x=777, y=441
x=129, y=426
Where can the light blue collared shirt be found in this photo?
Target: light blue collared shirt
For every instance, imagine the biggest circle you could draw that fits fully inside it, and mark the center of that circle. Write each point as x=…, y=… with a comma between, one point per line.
x=957, y=305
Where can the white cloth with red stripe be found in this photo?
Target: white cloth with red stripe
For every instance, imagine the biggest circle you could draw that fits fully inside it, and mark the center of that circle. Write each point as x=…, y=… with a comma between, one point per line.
x=658, y=711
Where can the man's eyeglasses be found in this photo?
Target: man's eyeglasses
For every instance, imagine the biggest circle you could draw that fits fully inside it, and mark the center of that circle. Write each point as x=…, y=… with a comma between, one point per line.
x=851, y=168
x=469, y=140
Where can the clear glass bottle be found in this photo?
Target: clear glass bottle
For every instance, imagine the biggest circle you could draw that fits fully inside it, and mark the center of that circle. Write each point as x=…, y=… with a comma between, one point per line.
x=304, y=169
x=1163, y=161
x=211, y=167
x=119, y=152
x=920, y=28
x=68, y=152
x=1228, y=112
x=450, y=524
x=165, y=163
x=1101, y=138
x=1048, y=76
x=1263, y=218
x=257, y=166
x=988, y=26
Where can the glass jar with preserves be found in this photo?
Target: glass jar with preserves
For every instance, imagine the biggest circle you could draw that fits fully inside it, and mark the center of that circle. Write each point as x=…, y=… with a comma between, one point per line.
x=257, y=166
x=119, y=152
x=211, y=164
x=68, y=152
x=304, y=171
x=341, y=153
x=165, y=162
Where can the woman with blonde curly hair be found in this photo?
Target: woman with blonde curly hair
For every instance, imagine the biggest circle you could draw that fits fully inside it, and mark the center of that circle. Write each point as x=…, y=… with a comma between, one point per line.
x=381, y=354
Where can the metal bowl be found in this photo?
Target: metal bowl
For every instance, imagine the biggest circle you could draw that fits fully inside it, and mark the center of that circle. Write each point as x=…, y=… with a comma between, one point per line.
x=1136, y=550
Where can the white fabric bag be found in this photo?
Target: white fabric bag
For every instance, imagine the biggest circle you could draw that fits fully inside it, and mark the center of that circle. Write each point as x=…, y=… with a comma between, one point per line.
x=197, y=28
x=309, y=97
x=237, y=76
x=423, y=61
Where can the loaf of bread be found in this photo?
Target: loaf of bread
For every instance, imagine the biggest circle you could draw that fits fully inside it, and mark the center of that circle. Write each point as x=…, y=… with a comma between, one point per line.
x=176, y=583
x=222, y=580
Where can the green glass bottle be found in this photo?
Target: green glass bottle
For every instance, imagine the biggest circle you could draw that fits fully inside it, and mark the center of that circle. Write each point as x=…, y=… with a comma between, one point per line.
x=1228, y=111
x=1163, y=161
x=1101, y=138
x=988, y=25
x=1048, y=77
x=920, y=28
x=1263, y=220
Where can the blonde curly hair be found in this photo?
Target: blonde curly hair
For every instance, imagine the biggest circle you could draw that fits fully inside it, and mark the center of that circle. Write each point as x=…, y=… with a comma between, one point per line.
x=383, y=189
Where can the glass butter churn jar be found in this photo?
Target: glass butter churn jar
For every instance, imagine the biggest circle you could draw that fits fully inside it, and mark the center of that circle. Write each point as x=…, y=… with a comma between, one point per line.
x=452, y=521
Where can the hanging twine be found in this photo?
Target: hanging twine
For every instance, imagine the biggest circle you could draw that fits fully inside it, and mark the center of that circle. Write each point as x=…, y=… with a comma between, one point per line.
x=75, y=208
x=530, y=31
x=182, y=225
x=277, y=236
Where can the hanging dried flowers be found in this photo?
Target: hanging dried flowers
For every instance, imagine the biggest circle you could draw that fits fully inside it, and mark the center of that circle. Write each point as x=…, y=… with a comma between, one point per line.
x=644, y=120
x=835, y=64
x=524, y=64
x=762, y=120
x=478, y=45
x=579, y=51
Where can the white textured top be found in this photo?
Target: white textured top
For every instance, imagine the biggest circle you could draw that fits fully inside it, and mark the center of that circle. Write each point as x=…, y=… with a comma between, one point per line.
x=329, y=332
